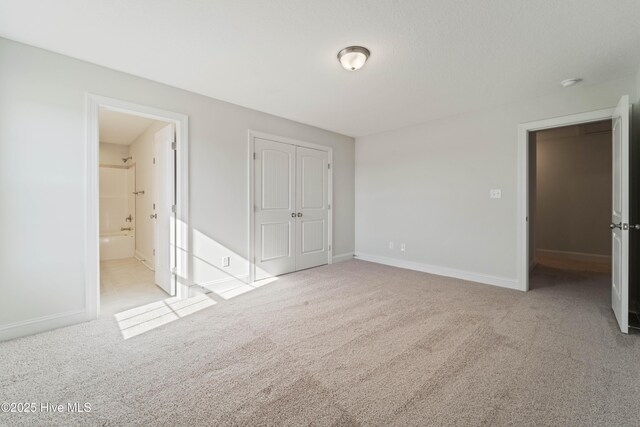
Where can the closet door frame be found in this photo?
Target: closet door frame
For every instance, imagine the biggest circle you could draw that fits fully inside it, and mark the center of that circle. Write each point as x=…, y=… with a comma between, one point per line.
x=251, y=201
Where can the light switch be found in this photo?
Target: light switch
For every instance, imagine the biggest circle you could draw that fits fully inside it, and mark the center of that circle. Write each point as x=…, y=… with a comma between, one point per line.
x=226, y=261
x=495, y=193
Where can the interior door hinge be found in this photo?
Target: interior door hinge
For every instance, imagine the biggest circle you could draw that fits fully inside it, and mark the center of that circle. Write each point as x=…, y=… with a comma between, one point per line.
x=328, y=165
x=174, y=146
x=254, y=156
x=329, y=206
x=173, y=208
x=154, y=160
x=174, y=270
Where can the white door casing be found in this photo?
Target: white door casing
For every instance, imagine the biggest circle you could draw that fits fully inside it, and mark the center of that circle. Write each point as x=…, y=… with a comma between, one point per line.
x=274, y=204
x=620, y=214
x=311, y=207
x=164, y=228
x=524, y=129
x=181, y=181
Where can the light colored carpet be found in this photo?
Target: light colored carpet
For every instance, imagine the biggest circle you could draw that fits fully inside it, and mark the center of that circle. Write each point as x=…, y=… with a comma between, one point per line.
x=353, y=343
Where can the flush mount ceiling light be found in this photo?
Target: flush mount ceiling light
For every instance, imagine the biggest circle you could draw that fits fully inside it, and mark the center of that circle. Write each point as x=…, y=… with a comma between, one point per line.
x=570, y=82
x=352, y=58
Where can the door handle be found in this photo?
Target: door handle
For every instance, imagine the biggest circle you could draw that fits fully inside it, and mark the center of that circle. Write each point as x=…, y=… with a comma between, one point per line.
x=293, y=214
x=153, y=216
x=299, y=214
x=625, y=226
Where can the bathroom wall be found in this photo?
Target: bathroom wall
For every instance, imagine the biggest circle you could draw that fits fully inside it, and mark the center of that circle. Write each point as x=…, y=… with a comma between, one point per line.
x=142, y=151
x=117, y=182
x=112, y=154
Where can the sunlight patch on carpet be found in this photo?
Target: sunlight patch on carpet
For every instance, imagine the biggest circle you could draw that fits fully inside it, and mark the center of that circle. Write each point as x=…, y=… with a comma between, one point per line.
x=142, y=319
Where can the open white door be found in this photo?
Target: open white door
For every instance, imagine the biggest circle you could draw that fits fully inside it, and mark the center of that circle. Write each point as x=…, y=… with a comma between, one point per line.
x=274, y=206
x=164, y=171
x=620, y=215
x=312, y=207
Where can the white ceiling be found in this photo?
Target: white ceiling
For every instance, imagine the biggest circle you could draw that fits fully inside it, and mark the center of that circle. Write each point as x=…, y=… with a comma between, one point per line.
x=121, y=128
x=429, y=58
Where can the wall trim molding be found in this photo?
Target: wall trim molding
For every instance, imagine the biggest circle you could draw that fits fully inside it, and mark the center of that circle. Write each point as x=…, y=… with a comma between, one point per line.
x=242, y=279
x=343, y=257
x=487, y=279
x=139, y=256
x=574, y=255
x=43, y=324
x=143, y=260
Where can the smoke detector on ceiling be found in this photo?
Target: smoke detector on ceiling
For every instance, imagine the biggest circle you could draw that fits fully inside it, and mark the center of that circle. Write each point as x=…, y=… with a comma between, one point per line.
x=570, y=82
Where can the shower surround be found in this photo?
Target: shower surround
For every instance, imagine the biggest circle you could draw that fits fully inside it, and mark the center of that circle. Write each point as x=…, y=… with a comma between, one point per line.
x=117, y=208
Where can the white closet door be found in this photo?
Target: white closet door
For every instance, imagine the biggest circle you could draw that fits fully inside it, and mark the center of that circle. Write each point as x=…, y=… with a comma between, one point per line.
x=274, y=206
x=312, y=211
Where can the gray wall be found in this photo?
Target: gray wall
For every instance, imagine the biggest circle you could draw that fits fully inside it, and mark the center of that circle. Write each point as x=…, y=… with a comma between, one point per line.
x=428, y=185
x=573, y=191
x=43, y=178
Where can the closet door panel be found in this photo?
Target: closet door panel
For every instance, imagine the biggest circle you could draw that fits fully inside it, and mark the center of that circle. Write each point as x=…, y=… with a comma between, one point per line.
x=274, y=204
x=311, y=207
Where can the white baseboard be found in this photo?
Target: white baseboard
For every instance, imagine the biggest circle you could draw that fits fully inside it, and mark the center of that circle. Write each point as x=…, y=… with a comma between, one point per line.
x=244, y=279
x=486, y=279
x=143, y=260
x=342, y=257
x=42, y=324
x=581, y=256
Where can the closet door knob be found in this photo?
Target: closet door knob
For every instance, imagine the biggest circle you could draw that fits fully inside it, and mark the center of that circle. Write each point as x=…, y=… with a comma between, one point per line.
x=299, y=214
x=153, y=216
x=293, y=214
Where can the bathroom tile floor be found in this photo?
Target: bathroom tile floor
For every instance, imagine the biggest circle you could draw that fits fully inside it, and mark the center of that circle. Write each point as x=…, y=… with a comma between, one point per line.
x=125, y=284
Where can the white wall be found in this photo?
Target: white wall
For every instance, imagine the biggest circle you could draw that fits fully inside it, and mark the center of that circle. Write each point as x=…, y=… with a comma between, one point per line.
x=42, y=168
x=573, y=190
x=116, y=200
x=428, y=186
x=112, y=154
x=116, y=203
x=142, y=151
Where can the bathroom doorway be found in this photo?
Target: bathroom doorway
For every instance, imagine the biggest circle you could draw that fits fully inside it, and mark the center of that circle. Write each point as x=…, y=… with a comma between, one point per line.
x=132, y=164
x=137, y=206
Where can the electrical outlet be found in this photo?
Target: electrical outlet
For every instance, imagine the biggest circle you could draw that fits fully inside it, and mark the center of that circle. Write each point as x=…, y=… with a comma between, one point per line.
x=226, y=261
x=402, y=247
x=391, y=245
